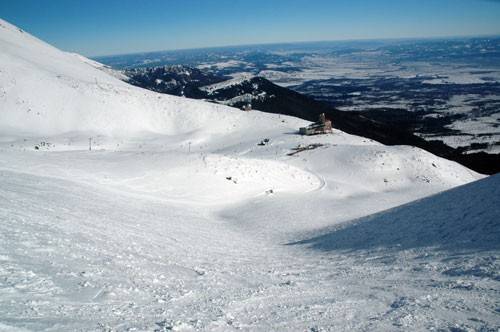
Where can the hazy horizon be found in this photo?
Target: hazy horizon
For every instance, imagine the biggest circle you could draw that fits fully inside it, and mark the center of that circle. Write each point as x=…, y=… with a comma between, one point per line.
x=96, y=29
x=497, y=35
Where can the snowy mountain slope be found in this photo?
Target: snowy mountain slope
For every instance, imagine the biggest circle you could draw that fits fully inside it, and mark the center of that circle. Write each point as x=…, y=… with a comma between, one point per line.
x=78, y=256
x=463, y=217
x=177, y=219
x=46, y=91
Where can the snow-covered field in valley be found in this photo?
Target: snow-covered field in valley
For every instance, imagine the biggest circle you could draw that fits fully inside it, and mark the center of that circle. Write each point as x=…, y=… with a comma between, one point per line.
x=190, y=216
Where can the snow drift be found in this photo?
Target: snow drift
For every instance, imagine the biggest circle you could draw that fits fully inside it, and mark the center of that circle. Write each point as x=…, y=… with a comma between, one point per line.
x=463, y=217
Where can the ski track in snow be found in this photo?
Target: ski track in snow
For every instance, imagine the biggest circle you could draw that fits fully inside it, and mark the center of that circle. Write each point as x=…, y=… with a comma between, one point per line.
x=178, y=219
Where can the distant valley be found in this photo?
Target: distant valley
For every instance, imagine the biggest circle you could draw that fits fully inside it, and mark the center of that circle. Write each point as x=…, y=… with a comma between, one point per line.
x=392, y=126
x=442, y=95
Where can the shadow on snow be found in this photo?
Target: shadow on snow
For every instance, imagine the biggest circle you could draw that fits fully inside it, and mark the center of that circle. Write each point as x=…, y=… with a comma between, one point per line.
x=467, y=217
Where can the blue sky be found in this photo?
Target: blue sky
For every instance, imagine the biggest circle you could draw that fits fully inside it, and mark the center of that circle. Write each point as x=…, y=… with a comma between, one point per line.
x=102, y=27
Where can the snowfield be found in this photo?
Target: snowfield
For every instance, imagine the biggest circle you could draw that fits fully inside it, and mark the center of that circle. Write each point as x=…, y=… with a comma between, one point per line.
x=192, y=216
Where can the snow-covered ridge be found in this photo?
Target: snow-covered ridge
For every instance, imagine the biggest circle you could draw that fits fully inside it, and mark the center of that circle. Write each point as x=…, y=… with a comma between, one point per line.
x=44, y=91
x=234, y=81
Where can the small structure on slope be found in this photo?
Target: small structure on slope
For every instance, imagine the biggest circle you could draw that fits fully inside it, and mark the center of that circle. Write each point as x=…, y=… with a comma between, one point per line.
x=323, y=126
x=247, y=107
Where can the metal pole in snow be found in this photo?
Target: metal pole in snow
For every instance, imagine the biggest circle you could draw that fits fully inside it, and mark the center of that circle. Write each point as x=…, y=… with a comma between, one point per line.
x=90, y=143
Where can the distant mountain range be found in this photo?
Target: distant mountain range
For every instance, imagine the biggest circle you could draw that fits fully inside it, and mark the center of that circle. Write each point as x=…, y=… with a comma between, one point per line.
x=268, y=97
x=438, y=89
x=174, y=80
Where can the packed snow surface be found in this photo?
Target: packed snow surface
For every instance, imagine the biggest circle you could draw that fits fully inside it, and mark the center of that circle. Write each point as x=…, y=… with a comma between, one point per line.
x=189, y=216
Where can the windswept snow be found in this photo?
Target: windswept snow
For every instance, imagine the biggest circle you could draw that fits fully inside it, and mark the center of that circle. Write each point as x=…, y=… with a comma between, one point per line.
x=178, y=219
